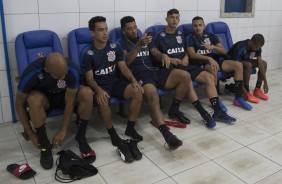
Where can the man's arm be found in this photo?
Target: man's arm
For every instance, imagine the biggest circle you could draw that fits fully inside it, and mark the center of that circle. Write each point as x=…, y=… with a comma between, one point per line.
x=261, y=68
x=129, y=76
x=218, y=48
x=24, y=118
x=164, y=58
x=70, y=98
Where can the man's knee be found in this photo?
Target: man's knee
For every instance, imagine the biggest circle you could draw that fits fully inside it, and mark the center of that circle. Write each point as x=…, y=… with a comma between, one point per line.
x=36, y=99
x=247, y=66
x=85, y=93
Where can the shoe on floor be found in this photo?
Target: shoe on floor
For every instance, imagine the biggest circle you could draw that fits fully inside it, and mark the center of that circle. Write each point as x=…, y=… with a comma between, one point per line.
x=240, y=102
x=252, y=98
x=259, y=94
x=178, y=115
x=46, y=157
x=137, y=155
x=222, y=106
x=173, y=142
x=124, y=151
x=134, y=134
x=209, y=121
x=223, y=117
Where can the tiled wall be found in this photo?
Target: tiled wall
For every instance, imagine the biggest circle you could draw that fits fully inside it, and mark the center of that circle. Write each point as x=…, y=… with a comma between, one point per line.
x=62, y=16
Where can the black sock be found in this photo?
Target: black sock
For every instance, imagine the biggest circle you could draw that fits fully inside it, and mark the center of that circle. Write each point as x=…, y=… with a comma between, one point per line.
x=116, y=140
x=258, y=85
x=130, y=131
x=247, y=87
x=215, y=103
x=175, y=105
x=197, y=104
x=238, y=88
x=42, y=137
x=80, y=136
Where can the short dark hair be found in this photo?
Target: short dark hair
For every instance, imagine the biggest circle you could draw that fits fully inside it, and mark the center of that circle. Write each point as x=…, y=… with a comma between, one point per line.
x=197, y=18
x=93, y=20
x=125, y=20
x=258, y=39
x=172, y=11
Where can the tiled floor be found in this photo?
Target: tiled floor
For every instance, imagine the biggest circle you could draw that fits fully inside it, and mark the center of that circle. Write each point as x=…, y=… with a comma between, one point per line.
x=250, y=151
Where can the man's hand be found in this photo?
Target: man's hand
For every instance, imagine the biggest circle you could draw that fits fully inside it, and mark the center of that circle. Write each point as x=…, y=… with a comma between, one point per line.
x=34, y=139
x=176, y=61
x=214, y=64
x=208, y=47
x=102, y=96
x=265, y=87
x=144, y=40
x=165, y=61
x=58, y=138
x=137, y=86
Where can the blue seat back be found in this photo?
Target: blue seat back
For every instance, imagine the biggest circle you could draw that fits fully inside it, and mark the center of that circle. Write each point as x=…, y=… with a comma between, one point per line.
x=187, y=29
x=34, y=44
x=116, y=33
x=155, y=28
x=79, y=41
x=221, y=30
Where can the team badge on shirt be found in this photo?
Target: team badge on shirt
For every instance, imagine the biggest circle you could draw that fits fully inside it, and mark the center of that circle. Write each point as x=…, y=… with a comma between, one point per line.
x=90, y=52
x=179, y=39
x=207, y=41
x=41, y=76
x=111, y=56
x=40, y=55
x=113, y=45
x=252, y=55
x=179, y=32
x=61, y=84
x=162, y=34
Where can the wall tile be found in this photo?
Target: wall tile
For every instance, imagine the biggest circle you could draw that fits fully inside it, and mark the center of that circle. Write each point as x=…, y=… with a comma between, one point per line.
x=276, y=18
x=14, y=74
x=59, y=24
x=97, y=6
x=262, y=18
x=232, y=23
x=276, y=5
x=209, y=16
x=12, y=56
x=64, y=43
x=6, y=108
x=138, y=16
x=58, y=6
x=273, y=32
x=20, y=6
x=159, y=5
x=209, y=5
x=265, y=49
x=159, y=20
x=2, y=57
x=16, y=24
x=4, y=91
x=85, y=17
x=263, y=5
x=1, y=115
x=187, y=16
x=186, y=5
x=130, y=5
x=274, y=48
x=244, y=33
x=246, y=22
x=234, y=34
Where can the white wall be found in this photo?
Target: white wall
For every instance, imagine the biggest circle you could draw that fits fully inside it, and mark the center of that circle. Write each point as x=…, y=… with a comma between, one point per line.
x=62, y=16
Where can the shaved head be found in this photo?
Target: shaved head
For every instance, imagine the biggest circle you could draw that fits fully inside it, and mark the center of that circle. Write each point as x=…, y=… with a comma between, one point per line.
x=57, y=65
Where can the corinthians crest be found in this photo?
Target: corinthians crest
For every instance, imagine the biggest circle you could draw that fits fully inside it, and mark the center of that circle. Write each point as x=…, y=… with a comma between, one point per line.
x=111, y=56
x=207, y=41
x=61, y=84
x=179, y=39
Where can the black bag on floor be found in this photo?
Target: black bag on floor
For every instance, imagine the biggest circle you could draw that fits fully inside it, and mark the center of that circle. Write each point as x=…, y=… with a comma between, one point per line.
x=73, y=167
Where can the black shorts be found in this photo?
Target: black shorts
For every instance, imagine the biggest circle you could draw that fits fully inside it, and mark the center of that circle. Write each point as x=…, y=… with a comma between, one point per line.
x=117, y=88
x=156, y=77
x=194, y=70
x=56, y=101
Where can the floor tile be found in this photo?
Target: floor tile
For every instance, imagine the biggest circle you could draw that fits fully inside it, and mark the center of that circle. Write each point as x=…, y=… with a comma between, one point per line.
x=248, y=165
x=270, y=147
x=7, y=132
x=213, y=144
x=277, y=112
x=244, y=133
x=273, y=179
x=207, y=173
x=268, y=105
x=166, y=181
x=7, y=177
x=242, y=114
x=267, y=122
x=10, y=152
x=173, y=162
x=97, y=179
x=136, y=172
